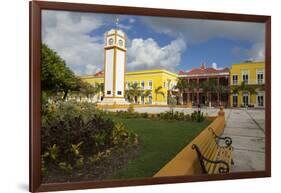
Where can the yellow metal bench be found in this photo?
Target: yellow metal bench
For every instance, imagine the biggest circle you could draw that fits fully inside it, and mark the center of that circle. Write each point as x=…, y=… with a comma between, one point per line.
x=213, y=156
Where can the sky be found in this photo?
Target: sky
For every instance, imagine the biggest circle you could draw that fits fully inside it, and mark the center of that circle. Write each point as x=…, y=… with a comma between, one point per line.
x=152, y=42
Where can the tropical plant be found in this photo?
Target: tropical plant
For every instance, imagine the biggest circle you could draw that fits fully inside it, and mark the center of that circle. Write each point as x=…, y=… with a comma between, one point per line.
x=52, y=151
x=121, y=136
x=99, y=88
x=181, y=86
x=252, y=90
x=180, y=116
x=261, y=87
x=128, y=95
x=158, y=91
x=75, y=148
x=221, y=89
x=131, y=108
x=205, y=88
x=234, y=89
x=172, y=101
x=65, y=167
x=133, y=92
x=69, y=141
x=244, y=86
x=191, y=87
x=146, y=93
x=87, y=89
x=197, y=116
x=212, y=87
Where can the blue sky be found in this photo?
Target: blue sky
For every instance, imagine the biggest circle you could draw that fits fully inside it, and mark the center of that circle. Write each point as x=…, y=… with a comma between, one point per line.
x=153, y=42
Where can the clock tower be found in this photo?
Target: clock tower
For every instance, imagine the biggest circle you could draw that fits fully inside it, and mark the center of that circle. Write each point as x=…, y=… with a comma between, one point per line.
x=114, y=67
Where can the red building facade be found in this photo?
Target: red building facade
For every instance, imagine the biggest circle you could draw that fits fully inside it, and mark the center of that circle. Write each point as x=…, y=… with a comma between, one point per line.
x=206, y=86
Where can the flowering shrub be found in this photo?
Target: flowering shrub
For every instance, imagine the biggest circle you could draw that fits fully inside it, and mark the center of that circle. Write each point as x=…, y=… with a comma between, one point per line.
x=74, y=136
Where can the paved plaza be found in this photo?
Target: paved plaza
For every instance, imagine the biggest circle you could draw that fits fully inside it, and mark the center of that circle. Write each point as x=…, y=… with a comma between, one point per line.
x=245, y=127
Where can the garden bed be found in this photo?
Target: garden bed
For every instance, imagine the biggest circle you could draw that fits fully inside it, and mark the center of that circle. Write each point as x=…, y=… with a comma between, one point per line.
x=81, y=143
x=94, y=172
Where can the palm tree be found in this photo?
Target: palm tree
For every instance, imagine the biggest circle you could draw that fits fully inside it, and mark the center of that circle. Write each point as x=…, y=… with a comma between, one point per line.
x=87, y=89
x=234, y=90
x=146, y=93
x=252, y=91
x=261, y=87
x=99, y=88
x=181, y=86
x=135, y=91
x=158, y=91
x=205, y=87
x=243, y=86
x=129, y=94
x=248, y=88
x=221, y=89
x=192, y=86
x=212, y=88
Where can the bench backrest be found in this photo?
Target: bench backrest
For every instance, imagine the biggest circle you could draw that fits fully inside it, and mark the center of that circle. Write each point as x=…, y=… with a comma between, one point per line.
x=186, y=161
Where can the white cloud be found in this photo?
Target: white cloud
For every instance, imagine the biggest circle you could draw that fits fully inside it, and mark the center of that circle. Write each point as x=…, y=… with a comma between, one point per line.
x=199, y=30
x=125, y=27
x=132, y=20
x=214, y=65
x=147, y=54
x=195, y=31
x=68, y=34
x=256, y=52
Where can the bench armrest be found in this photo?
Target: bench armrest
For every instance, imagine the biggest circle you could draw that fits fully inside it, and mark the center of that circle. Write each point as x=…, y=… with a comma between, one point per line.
x=227, y=140
x=224, y=167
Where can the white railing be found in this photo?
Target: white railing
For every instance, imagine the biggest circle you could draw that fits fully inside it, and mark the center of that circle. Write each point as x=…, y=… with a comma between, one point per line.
x=249, y=82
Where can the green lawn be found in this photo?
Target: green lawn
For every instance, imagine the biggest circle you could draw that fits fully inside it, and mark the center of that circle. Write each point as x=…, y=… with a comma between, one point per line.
x=160, y=141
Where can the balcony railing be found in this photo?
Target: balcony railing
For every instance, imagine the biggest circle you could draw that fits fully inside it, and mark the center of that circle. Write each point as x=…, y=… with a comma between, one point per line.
x=249, y=82
x=141, y=88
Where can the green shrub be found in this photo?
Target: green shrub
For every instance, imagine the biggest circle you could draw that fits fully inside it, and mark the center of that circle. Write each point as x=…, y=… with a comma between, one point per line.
x=122, y=136
x=131, y=108
x=62, y=111
x=187, y=117
x=172, y=101
x=144, y=115
x=66, y=167
x=176, y=116
x=196, y=116
x=76, y=134
x=180, y=116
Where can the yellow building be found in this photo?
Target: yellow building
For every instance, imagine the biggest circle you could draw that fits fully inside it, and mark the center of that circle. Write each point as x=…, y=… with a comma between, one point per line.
x=252, y=93
x=147, y=80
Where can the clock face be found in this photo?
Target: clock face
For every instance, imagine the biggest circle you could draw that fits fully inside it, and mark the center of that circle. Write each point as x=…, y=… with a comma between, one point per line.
x=110, y=41
x=120, y=42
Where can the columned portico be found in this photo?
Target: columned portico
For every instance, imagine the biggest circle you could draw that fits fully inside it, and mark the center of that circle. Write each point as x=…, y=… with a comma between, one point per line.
x=207, y=96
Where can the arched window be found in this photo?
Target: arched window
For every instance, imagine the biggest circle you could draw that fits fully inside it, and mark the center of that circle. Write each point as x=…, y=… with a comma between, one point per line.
x=110, y=41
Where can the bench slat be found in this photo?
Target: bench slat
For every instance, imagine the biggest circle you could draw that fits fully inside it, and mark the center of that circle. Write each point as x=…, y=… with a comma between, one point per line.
x=225, y=155
x=211, y=156
x=212, y=151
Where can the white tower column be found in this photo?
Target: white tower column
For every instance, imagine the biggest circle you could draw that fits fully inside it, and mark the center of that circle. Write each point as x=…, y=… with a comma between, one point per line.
x=114, y=67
